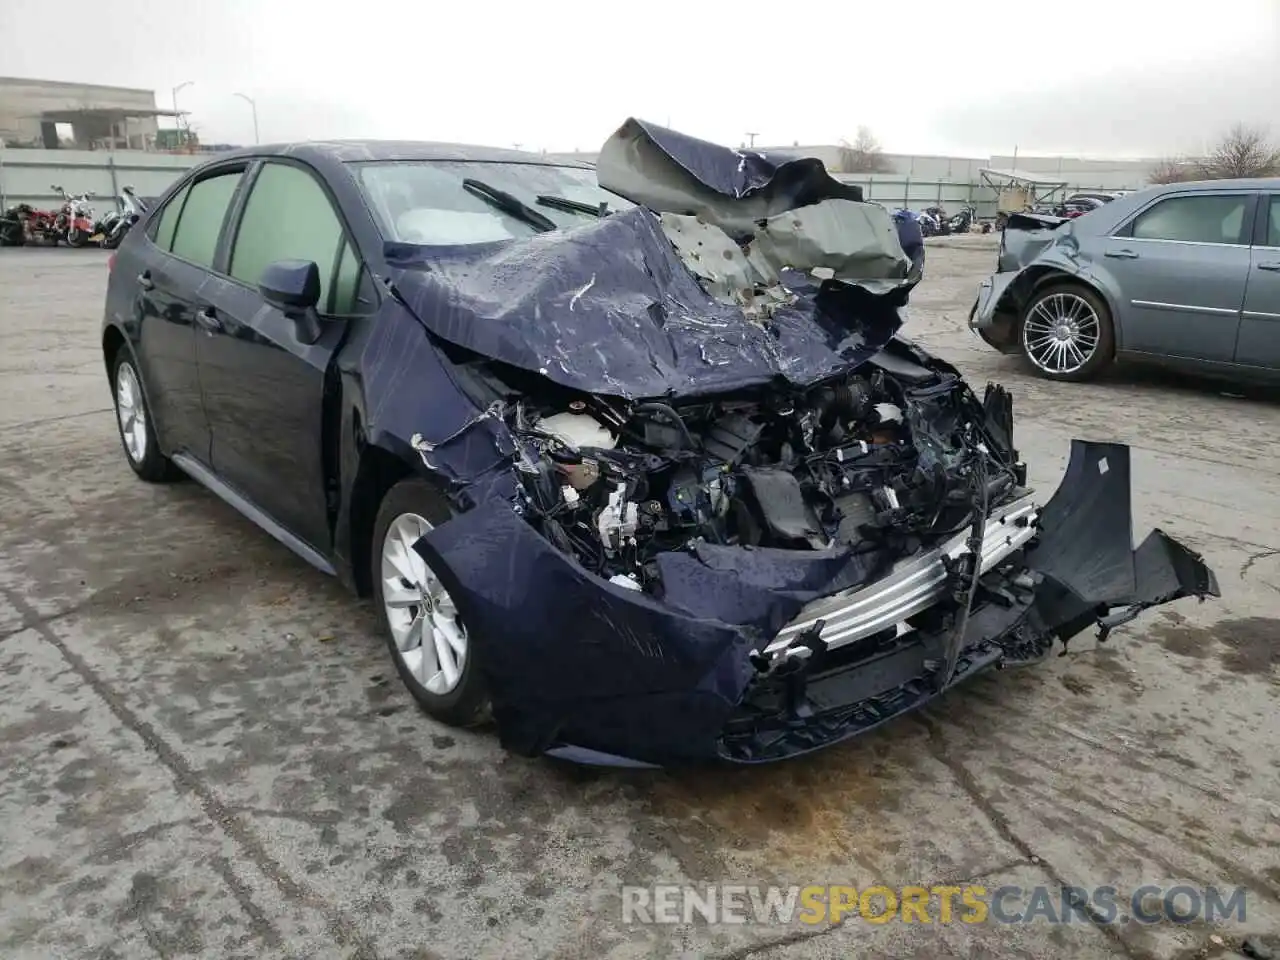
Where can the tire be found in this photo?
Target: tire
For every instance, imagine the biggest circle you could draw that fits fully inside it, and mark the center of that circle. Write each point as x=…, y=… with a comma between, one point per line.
x=458, y=700
x=77, y=238
x=112, y=240
x=1066, y=304
x=134, y=424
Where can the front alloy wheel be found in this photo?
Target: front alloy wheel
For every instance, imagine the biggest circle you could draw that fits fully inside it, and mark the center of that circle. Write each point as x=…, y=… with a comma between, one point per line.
x=430, y=638
x=434, y=653
x=1066, y=333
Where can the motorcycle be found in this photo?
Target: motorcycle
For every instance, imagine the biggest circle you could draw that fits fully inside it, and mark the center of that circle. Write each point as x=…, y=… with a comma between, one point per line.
x=115, y=225
x=934, y=222
x=74, y=222
x=22, y=224
x=962, y=222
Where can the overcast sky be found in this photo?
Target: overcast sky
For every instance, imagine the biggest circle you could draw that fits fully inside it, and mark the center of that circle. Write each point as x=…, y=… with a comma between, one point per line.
x=971, y=77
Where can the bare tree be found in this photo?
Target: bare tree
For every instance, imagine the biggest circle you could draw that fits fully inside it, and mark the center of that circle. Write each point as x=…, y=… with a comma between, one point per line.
x=1244, y=152
x=863, y=155
x=1174, y=170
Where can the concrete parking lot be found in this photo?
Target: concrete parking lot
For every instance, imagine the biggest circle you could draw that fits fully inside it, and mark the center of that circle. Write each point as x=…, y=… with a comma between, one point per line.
x=205, y=752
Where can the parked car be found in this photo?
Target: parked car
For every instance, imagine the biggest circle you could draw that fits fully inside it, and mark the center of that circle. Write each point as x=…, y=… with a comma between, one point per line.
x=1186, y=275
x=1099, y=195
x=1078, y=207
x=598, y=466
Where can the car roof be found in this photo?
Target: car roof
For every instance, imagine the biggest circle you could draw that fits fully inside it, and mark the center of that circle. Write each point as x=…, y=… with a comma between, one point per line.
x=350, y=151
x=1245, y=183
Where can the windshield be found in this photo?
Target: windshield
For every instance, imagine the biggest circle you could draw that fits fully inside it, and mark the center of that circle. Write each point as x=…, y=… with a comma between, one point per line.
x=427, y=201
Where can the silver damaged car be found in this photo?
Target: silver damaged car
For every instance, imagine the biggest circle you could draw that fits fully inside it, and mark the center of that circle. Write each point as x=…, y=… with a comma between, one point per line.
x=1187, y=275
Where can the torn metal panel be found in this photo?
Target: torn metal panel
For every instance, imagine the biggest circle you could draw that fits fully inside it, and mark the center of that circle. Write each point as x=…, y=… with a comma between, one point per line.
x=612, y=307
x=1026, y=236
x=991, y=292
x=855, y=243
x=641, y=325
x=732, y=273
x=674, y=173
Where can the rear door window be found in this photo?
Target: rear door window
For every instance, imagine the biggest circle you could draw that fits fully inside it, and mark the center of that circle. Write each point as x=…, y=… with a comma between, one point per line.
x=289, y=217
x=196, y=236
x=1273, y=222
x=1202, y=218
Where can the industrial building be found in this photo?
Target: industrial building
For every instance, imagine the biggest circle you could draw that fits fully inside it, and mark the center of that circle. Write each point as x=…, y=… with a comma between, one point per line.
x=57, y=115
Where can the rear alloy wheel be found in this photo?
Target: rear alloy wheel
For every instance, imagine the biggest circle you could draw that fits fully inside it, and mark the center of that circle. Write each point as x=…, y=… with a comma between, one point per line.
x=1066, y=333
x=134, y=420
x=426, y=634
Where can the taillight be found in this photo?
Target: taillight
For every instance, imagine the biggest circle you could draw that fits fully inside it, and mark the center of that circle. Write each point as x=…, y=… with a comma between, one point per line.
x=111, y=263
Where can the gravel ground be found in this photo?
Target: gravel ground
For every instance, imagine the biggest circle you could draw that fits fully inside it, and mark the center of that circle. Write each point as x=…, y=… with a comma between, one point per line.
x=204, y=751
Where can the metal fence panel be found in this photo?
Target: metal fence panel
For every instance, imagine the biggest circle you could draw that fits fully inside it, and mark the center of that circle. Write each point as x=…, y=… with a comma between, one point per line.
x=27, y=176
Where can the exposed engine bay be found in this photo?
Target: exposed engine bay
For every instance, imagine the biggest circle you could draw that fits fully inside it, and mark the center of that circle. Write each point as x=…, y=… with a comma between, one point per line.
x=874, y=460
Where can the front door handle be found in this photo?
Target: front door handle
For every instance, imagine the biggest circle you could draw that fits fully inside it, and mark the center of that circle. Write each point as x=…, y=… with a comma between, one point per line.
x=145, y=281
x=209, y=321
x=1271, y=265
x=1121, y=255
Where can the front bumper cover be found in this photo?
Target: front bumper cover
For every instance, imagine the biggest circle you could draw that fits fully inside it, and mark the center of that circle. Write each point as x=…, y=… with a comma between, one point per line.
x=581, y=668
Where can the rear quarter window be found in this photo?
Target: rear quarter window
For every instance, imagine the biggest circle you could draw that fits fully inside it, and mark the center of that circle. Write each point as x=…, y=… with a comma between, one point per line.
x=162, y=228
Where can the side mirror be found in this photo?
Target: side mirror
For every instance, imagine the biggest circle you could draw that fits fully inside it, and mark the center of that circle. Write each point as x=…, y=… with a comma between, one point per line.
x=293, y=288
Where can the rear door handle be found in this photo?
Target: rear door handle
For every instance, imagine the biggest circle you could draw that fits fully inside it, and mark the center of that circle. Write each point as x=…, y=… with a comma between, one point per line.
x=209, y=321
x=145, y=281
x=1121, y=255
x=1271, y=265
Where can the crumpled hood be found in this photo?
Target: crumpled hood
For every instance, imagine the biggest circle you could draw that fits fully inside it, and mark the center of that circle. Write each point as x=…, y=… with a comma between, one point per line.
x=614, y=306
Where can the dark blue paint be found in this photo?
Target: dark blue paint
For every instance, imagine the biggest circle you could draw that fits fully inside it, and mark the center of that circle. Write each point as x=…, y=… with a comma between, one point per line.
x=290, y=284
x=293, y=427
x=609, y=308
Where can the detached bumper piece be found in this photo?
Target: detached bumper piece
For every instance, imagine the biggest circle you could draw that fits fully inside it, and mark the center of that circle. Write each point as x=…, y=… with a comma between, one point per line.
x=1078, y=570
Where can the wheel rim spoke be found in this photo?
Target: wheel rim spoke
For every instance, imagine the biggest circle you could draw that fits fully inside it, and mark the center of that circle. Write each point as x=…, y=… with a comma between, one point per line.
x=396, y=594
x=399, y=558
x=408, y=633
x=445, y=657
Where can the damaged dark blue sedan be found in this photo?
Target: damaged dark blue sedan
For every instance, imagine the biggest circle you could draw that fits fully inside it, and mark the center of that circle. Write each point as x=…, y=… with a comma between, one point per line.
x=631, y=455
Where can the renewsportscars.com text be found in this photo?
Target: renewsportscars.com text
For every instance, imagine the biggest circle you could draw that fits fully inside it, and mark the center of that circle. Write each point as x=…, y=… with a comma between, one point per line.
x=944, y=904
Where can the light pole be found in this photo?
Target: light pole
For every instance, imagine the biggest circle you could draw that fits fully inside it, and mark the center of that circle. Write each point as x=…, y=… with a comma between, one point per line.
x=751, y=140
x=254, y=107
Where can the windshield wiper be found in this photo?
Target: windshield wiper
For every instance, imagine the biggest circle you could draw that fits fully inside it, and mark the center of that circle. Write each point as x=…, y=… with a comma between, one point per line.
x=508, y=204
x=574, y=206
